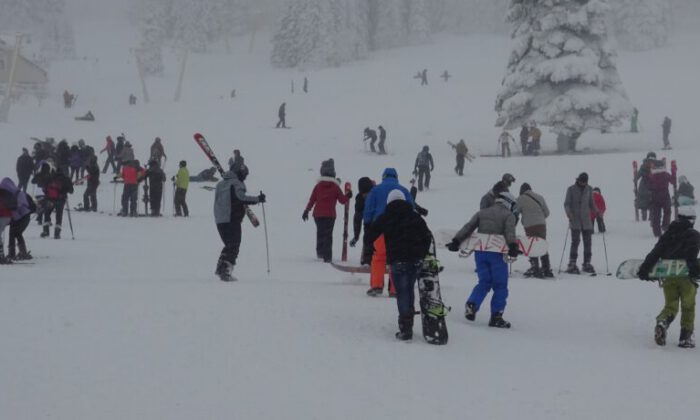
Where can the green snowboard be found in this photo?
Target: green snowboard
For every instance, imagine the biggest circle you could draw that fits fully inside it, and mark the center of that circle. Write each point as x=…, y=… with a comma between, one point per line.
x=663, y=269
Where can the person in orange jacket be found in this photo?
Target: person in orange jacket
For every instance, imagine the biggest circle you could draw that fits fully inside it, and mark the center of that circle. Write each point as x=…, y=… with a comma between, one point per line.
x=132, y=174
x=600, y=204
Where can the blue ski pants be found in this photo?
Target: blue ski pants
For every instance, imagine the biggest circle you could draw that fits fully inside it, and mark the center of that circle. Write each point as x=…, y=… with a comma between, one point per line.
x=492, y=271
x=405, y=274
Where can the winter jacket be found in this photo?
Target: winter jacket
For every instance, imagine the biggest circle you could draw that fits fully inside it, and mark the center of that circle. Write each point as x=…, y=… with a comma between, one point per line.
x=424, y=160
x=182, y=179
x=282, y=112
x=524, y=134
x=599, y=204
x=156, y=178
x=488, y=200
x=157, y=151
x=659, y=181
x=126, y=155
x=643, y=199
x=230, y=199
x=535, y=133
x=75, y=160
x=25, y=166
x=132, y=175
x=364, y=186
x=579, y=205
x=679, y=242
x=93, y=174
x=62, y=155
x=119, y=147
x=533, y=209
x=495, y=220
x=461, y=148
x=22, y=202
x=86, y=152
x=109, y=147
x=406, y=235
x=324, y=197
x=376, y=200
x=8, y=198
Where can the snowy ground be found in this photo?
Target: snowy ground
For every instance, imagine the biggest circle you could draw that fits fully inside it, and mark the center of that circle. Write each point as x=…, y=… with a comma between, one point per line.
x=128, y=321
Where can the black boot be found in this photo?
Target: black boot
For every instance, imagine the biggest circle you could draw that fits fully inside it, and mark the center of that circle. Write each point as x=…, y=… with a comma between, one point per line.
x=45, y=232
x=660, y=331
x=224, y=270
x=57, y=232
x=534, y=270
x=470, y=311
x=572, y=269
x=405, y=328
x=687, y=340
x=546, y=267
x=3, y=258
x=497, y=321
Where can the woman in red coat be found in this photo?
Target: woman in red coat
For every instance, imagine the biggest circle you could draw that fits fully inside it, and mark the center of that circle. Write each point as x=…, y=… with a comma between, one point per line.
x=600, y=205
x=324, y=197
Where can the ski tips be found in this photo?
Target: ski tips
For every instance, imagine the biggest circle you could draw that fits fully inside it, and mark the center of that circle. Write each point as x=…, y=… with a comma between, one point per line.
x=198, y=135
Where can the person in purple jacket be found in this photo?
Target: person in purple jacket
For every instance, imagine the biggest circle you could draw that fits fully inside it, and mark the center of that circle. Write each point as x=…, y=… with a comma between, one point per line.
x=20, y=219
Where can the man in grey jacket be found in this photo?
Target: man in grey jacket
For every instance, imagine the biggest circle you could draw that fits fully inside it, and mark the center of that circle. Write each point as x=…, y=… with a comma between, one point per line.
x=229, y=209
x=579, y=206
x=489, y=199
x=534, y=212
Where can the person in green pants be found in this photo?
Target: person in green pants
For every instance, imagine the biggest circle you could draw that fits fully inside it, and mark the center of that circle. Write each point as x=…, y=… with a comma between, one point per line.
x=680, y=242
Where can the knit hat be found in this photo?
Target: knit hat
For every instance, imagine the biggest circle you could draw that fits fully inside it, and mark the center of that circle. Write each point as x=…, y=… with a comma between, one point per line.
x=525, y=188
x=499, y=187
x=364, y=185
x=395, y=195
x=508, y=179
x=328, y=168
x=582, y=177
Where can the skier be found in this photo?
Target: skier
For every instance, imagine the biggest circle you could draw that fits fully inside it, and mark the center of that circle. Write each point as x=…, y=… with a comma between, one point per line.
x=364, y=186
x=86, y=152
x=237, y=159
x=25, y=167
x=324, y=197
x=374, y=207
x=56, y=187
x=93, y=181
x=8, y=204
x=446, y=76
x=305, y=86
x=461, y=154
x=666, y=131
x=679, y=242
x=382, y=140
x=685, y=195
x=155, y=178
x=489, y=199
x=118, y=152
x=158, y=152
x=132, y=174
x=598, y=218
x=132, y=99
x=579, y=206
x=75, y=162
x=634, y=122
x=407, y=240
x=423, y=167
x=282, y=114
x=182, y=182
x=370, y=135
x=424, y=77
x=229, y=209
x=536, y=136
x=524, y=136
x=67, y=99
x=503, y=144
x=643, y=199
x=89, y=116
x=491, y=267
x=534, y=213
x=206, y=175
x=21, y=217
x=659, y=181
x=126, y=154
x=110, y=149
x=62, y=157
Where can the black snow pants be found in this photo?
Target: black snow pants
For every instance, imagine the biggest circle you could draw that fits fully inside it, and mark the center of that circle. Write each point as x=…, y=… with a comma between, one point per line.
x=324, y=237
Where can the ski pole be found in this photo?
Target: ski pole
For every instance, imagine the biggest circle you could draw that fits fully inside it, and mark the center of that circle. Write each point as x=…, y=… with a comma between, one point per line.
x=566, y=239
x=70, y=220
x=605, y=249
x=267, y=246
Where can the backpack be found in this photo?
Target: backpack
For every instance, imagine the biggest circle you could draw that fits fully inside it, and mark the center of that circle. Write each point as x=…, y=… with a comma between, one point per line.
x=422, y=159
x=53, y=189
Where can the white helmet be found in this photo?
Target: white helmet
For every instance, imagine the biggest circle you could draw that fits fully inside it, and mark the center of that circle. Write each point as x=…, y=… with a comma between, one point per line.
x=686, y=212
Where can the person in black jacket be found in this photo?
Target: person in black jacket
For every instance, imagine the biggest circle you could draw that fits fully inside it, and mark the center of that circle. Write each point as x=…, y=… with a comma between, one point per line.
x=364, y=186
x=370, y=135
x=93, y=181
x=155, y=178
x=25, y=167
x=56, y=190
x=679, y=242
x=407, y=243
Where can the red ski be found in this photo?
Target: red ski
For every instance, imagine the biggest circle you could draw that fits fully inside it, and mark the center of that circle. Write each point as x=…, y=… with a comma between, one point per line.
x=202, y=142
x=346, y=215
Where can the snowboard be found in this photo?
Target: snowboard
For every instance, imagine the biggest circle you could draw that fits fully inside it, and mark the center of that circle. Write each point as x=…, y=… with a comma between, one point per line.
x=432, y=309
x=663, y=269
x=530, y=246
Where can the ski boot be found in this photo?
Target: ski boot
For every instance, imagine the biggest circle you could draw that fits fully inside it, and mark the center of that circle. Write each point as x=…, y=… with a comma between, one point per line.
x=24, y=255
x=405, y=332
x=687, y=340
x=588, y=268
x=660, y=331
x=3, y=259
x=224, y=270
x=572, y=269
x=57, y=232
x=45, y=232
x=470, y=311
x=546, y=268
x=534, y=270
x=374, y=292
x=497, y=321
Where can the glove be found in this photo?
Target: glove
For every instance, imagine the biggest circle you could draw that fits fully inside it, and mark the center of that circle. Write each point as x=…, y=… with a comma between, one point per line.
x=349, y=195
x=115, y=178
x=305, y=215
x=513, y=250
x=643, y=275
x=353, y=242
x=261, y=198
x=454, y=245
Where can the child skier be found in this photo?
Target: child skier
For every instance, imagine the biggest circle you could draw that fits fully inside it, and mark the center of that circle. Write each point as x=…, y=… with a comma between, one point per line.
x=599, y=201
x=679, y=242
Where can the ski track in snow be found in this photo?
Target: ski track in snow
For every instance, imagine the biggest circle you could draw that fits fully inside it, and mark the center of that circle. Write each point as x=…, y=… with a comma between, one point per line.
x=128, y=320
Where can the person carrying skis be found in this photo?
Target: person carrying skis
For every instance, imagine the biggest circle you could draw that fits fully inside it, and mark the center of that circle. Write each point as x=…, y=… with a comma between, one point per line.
x=491, y=267
x=579, y=206
x=659, y=181
x=461, y=150
x=282, y=114
x=407, y=240
x=423, y=167
x=158, y=152
x=598, y=218
x=21, y=217
x=56, y=188
x=324, y=197
x=685, y=195
x=182, y=183
x=364, y=186
x=680, y=242
x=503, y=144
x=8, y=204
x=155, y=178
x=534, y=212
x=643, y=199
x=370, y=135
x=132, y=174
x=424, y=77
x=230, y=201
x=375, y=205
x=110, y=149
x=382, y=140
x=489, y=199
x=666, y=132
x=25, y=167
x=524, y=136
x=93, y=181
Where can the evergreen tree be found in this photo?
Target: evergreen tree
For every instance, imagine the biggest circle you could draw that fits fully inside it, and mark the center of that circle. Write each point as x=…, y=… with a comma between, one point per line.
x=561, y=72
x=642, y=24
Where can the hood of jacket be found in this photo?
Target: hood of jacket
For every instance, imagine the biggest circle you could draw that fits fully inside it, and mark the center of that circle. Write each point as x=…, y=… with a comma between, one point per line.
x=8, y=184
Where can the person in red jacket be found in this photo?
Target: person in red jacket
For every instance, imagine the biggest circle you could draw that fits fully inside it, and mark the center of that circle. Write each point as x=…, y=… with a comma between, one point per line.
x=132, y=174
x=600, y=204
x=659, y=181
x=324, y=197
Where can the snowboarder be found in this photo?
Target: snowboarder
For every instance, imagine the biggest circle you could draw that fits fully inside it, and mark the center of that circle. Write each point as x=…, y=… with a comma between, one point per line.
x=524, y=136
x=374, y=207
x=382, y=140
x=666, y=132
x=56, y=187
x=132, y=99
x=370, y=135
x=598, y=218
x=533, y=147
x=423, y=167
x=489, y=199
x=230, y=202
x=158, y=152
x=579, y=206
x=424, y=77
x=407, y=240
x=446, y=76
x=132, y=174
x=8, y=204
x=282, y=114
x=25, y=167
x=206, y=175
x=364, y=186
x=634, y=122
x=491, y=267
x=111, y=151
x=89, y=116
x=643, y=198
x=93, y=181
x=680, y=242
x=659, y=181
x=155, y=178
x=21, y=217
x=461, y=151
x=685, y=195
x=182, y=182
x=534, y=212
x=503, y=144
x=324, y=197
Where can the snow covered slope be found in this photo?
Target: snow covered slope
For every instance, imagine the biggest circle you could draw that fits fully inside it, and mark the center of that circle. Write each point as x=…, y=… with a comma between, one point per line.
x=128, y=320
